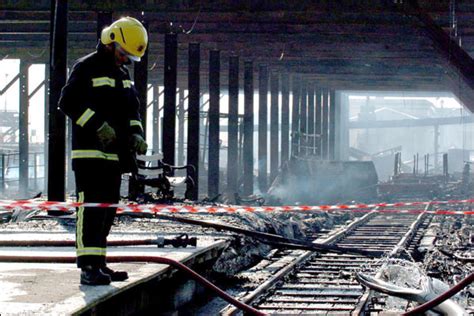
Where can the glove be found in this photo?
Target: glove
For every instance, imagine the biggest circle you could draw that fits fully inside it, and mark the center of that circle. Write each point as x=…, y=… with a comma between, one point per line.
x=106, y=134
x=138, y=144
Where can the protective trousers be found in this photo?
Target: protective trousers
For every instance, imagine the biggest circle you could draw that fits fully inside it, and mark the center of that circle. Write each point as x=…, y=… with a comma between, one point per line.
x=97, y=181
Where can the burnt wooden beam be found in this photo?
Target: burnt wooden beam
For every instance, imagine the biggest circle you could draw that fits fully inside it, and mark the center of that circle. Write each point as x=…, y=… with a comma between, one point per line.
x=23, y=131
x=360, y=14
x=459, y=61
x=295, y=115
x=104, y=18
x=342, y=121
x=310, y=89
x=214, y=110
x=292, y=48
x=156, y=119
x=57, y=120
x=140, y=78
x=181, y=118
x=169, y=110
x=263, y=128
x=332, y=125
x=285, y=118
x=318, y=122
x=193, y=118
x=232, y=153
x=304, y=118
x=46, y=119
x=380, y=47
x=180, y=7
x=274, y=126
x=248, y=128
x=325, y=125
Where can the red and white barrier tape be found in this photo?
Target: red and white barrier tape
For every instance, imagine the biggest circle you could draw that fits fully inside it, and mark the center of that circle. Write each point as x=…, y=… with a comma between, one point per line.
x=163, y=208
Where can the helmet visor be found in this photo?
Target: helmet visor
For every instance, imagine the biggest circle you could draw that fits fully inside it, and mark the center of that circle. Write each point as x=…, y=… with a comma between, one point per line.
x=123, y=52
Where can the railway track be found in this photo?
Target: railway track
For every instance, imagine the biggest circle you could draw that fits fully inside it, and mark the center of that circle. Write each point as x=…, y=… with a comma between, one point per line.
x=323, y=283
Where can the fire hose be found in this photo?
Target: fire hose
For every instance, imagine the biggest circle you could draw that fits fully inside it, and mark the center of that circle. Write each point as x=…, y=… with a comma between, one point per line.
x=162, y=260
x=272, y=239
x=181, y=241
x=441, y=298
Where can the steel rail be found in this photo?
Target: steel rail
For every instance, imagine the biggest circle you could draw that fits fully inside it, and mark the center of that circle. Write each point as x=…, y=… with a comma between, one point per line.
x=230, y=310
x=323, y=284
x=401, y=243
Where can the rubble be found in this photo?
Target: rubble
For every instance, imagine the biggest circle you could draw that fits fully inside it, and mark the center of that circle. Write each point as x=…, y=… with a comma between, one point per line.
x=408, y=281
x=242, y=252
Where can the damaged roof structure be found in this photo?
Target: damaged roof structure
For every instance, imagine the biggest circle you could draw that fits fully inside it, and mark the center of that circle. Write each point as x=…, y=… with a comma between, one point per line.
x=251, y=100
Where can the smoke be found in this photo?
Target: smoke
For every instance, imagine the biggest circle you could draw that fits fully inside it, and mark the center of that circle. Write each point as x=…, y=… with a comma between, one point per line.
x=307, y=181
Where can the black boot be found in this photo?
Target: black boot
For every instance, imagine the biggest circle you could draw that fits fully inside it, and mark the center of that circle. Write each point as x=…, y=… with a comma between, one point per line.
x=93, y=276
x=115, y=275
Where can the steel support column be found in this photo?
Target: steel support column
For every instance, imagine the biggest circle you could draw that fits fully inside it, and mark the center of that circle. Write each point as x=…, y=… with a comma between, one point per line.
x=169, y=110
x=318, y=123
x=332, y=125
x=274, y=126
x=263, y=128
x=214, y=111
x=285, y=117
x=311, y=143
x=248, y=128
x=57, y=123
x=193, y=116
x=23, y=130
x=295, y=116
x=233, y=130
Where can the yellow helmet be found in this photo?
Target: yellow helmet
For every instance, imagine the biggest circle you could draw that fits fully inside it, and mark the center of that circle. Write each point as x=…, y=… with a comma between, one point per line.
x=130, y=34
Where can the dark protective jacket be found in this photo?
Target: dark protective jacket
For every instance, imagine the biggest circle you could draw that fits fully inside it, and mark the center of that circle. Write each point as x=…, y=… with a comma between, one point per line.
x=99, y=91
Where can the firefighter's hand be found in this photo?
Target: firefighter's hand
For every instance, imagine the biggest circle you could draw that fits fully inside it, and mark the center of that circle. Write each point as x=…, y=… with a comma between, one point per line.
x=138, y=144
x=106, y=134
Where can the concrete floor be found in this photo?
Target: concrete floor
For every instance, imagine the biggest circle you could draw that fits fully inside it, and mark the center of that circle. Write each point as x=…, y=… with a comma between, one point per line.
x=51, y=289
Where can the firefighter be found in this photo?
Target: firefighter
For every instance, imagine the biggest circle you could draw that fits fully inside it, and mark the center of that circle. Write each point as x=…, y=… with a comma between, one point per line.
x=106, y=132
